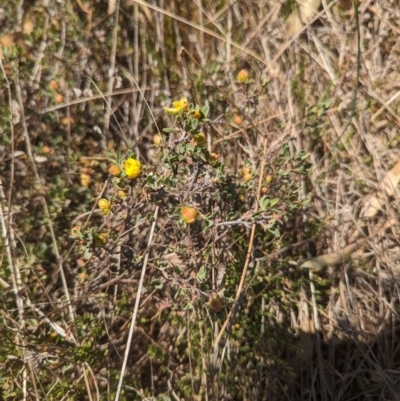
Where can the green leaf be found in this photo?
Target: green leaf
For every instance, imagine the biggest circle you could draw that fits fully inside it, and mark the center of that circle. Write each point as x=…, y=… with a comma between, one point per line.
x=195, y=123
x=150, y=179
x=188, y=125
x=169, y=130
x=201, y=275
x=87, y=255
x=273, y=202
x=264, y=203
x=283, y=173
x=157, y=284
x=205, y=110
x=149, y=217
x=276, y=233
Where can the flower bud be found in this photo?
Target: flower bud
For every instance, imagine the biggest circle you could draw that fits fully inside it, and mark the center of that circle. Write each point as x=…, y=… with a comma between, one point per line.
x=101, y=239
x=59, y=98
x=53, y=85
x=237, y=119
x=75, y=232
x=200, y=139
x=189, y=214
x=196, y=114
x=246, y=170
x=105, y=206
x=248, y=177
x=85, y=179
x=157, y=140
x=215, y=304
x=243, y=75
x=115, y=170
x=122, y=194
x=214, y=156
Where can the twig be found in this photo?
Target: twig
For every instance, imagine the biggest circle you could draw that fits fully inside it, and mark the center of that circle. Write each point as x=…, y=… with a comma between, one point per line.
x=111, y=74
x=87, y=99
x=317, y=329
x=136, y=307
x=16, y=280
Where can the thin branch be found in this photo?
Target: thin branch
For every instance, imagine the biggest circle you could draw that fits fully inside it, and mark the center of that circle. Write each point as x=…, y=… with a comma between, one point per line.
x=248, y=256
x=136, y=307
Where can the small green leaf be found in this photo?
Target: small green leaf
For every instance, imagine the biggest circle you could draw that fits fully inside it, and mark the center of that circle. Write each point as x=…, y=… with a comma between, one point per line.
x=149, y=217
x=273, y=202
x=87, y=254
x=195, y=123
x=264, y=203
x=205, y=110
x=150, y=179
x=277, y=233
x=201, y=275
x=169, y=130
x=157, y=284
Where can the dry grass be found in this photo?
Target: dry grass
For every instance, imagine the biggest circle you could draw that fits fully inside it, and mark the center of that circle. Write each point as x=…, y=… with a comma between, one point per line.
x=81, y=88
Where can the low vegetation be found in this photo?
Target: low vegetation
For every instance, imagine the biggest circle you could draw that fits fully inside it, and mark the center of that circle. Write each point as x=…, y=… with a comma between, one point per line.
x=198, y=201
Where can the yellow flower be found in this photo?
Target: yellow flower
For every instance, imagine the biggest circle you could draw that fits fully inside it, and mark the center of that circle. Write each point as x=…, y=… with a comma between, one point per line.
x=105, y=206
x=178, y=106
x=132, y=168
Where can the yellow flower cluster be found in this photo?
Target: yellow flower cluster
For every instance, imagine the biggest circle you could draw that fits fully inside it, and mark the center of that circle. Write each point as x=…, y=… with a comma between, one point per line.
x=178, y=106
